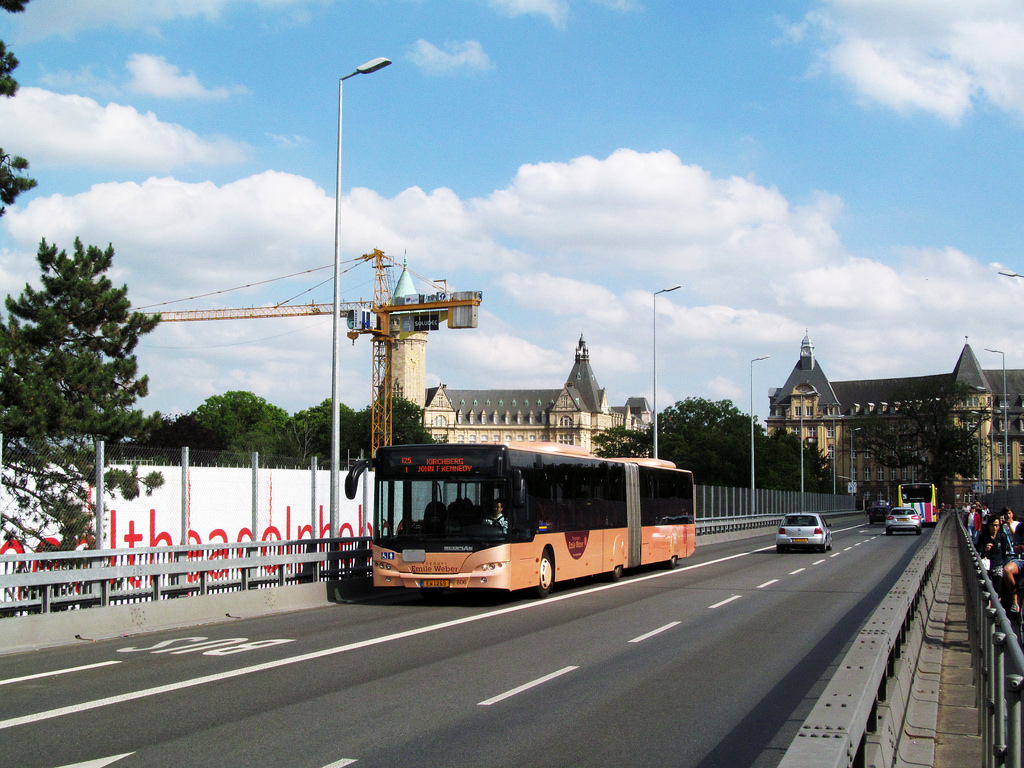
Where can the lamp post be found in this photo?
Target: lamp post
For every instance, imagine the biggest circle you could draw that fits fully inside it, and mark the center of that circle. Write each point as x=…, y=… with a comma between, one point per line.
x=853, y=474
x=365, y=69
x=752, y=492
x=654, y=337
x=1003, y=405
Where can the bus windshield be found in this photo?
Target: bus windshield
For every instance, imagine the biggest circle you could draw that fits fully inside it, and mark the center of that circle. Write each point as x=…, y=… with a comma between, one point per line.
x=440, y=510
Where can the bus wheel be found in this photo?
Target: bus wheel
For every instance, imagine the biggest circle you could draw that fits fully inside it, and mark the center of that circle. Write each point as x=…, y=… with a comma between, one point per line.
x=672, y=562
x=547, y=574
x=616, y=573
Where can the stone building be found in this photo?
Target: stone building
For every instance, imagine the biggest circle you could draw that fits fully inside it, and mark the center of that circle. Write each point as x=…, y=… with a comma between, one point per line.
x=825, y=414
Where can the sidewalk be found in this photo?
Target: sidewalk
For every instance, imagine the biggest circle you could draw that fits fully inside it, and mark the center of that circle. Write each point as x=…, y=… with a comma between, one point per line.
x=957, y=741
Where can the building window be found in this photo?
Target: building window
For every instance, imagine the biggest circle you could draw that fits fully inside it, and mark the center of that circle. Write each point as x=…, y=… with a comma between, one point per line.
x=880, y=474
x=892, y=473
x=831, y=431
x=798, y=411
x=565, y=421
x=831, y=453
x=440, y=421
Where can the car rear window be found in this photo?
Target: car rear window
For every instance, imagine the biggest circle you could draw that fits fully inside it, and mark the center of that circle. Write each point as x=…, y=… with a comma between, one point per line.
x=800, y=520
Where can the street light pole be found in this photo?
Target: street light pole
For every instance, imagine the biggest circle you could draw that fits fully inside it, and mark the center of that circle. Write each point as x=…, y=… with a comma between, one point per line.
x=654, y=336
x=1006, y=444
x=752, y=492
x=365, y=69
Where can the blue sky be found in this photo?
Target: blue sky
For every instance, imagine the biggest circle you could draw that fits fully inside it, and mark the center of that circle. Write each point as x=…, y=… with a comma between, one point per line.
x=848, y=168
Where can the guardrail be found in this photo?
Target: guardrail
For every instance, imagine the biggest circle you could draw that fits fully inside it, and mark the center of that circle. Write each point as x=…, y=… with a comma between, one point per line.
x=997, y=660
x=41, y=583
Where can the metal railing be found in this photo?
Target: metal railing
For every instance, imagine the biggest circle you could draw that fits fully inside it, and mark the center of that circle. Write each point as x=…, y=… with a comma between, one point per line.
x=41, y=583
x=997, y=660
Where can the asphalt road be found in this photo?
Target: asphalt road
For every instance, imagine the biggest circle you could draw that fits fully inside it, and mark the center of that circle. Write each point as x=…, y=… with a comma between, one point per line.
x=713, y=664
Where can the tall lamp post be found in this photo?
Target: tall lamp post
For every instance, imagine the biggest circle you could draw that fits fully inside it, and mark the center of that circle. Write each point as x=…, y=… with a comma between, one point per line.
x=365, y=69
x=1004, y=404
x=654, y=337
x=752, y=492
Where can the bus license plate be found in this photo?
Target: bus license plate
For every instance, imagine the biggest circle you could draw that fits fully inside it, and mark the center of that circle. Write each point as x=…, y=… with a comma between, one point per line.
x=436, y=583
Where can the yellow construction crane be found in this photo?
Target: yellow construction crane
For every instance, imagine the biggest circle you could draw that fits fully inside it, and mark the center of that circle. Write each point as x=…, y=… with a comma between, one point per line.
x=385, y=319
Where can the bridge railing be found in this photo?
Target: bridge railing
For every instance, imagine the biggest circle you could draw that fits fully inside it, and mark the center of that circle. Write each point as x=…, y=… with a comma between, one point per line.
x=41, y=583
x=997, y=661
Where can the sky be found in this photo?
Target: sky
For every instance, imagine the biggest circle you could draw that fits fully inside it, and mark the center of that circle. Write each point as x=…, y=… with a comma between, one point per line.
x=848, y=169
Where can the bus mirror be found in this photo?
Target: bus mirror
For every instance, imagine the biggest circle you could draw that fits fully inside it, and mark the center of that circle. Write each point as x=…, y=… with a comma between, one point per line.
x=352, y=478
x=518, y=488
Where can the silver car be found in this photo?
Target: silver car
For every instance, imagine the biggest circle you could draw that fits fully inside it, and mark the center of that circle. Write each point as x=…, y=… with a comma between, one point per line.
x=806, y=530
x=903, y=519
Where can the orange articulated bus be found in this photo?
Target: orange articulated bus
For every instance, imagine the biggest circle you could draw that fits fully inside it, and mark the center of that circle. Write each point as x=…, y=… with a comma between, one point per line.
x=920, y=496
x=563, y=515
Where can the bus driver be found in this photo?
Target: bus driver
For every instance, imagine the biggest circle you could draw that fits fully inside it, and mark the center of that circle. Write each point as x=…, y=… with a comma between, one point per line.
x=497, y=516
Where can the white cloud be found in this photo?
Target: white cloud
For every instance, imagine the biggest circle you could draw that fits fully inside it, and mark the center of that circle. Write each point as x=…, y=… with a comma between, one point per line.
x=55, y=129
x=557, y=11
x=564, y=248
x=43, y=18
x=936, y=56
x=457, y=56
x=154, y=76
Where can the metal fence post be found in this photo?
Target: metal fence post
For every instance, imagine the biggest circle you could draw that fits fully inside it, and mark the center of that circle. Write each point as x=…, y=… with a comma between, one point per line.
x=185, y=496
x=314, y=532
x=98, y=501
x=255, y=495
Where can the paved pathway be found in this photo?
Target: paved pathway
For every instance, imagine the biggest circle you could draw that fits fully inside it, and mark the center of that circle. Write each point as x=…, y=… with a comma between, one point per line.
x=957, y=741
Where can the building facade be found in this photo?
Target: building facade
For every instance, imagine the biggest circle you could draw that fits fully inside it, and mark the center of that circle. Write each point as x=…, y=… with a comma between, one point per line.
x=825, y=414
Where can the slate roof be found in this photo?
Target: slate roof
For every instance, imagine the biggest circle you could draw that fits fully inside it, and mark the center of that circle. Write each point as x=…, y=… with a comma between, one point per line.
x=864, y=391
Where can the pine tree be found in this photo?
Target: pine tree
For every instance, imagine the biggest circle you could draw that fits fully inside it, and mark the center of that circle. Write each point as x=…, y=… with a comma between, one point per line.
x=68, y=377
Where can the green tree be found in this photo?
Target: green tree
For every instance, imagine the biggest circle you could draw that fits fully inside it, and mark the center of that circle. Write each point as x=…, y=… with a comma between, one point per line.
x=932, y=430
x=621, y=442
x=711, y=439
x=778, y=464
x=68, y=377
x=12, y=168
x=244, y=422
x=407, y=423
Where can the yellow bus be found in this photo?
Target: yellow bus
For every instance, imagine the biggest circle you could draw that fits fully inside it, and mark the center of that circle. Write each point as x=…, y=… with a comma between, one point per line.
x=476, y=516
x=920, y=496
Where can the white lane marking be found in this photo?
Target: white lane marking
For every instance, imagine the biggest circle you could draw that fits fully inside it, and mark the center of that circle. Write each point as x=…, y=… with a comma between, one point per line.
x=654, y=632
x=99, y=762
x=818, y=562
x=341, y=763
x=798, y=570
x=835, y=554
x=767, y=584
x=134, y=695
x=724, y=602
x=526, y=686
x=58, y=672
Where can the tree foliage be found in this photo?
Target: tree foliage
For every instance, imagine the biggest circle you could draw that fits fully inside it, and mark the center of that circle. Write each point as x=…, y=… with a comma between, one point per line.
x=68, y=377
x=931, y=431
x=13, y=180
x=712, y=439
x=622, y=442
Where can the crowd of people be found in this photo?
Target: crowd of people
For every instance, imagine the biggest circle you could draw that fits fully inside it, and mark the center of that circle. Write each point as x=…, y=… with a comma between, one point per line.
x=999, y=539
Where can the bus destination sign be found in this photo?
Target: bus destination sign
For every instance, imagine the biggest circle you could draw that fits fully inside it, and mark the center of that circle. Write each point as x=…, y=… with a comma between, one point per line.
x=423, y=463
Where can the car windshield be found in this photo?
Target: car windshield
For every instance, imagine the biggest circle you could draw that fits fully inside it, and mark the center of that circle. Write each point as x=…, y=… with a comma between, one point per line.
x=798, y=520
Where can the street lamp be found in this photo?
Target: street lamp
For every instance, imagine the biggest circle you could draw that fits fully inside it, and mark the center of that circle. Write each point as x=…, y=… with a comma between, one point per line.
x=1004, y=404
x=654, y=337
x=853, y=476
x=365, y=69
x=752, y=494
